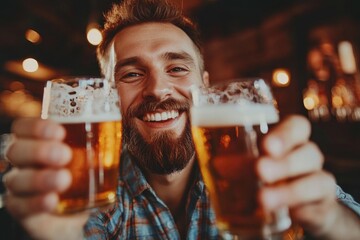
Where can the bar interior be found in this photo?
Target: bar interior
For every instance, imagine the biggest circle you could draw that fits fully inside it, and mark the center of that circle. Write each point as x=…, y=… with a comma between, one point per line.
x=309, y=51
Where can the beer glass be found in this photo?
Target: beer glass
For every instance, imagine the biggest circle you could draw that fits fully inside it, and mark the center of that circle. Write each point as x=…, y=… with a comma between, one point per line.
x=228, y=121
x=88, y=108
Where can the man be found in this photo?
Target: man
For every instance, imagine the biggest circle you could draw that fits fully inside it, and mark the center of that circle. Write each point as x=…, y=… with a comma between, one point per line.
x=154, y=55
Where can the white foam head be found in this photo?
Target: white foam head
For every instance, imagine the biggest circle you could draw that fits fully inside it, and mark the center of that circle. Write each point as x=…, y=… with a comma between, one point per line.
x=85, y=100
x=233, y=103
x=233, y=115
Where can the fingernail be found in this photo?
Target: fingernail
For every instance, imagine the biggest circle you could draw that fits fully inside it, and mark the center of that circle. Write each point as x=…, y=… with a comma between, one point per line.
x=63, y=179
x=275, y=146
x=267, y=170
x=53, y=132
x=50, y=201
x=60, y=154
x=270, y=199
x=59, y=133
x=66, y=153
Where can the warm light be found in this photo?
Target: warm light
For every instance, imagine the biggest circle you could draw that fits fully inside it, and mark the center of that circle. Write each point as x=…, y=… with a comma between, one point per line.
x=347, y=58
x=19, y=104
x=30, y=65
x=32, y=36
x=94, y=36
x=309, y=103
x=281, y=77
x=337, y=101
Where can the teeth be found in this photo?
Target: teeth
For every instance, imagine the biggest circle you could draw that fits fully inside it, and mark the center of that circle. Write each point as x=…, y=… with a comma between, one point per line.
x=160, y=116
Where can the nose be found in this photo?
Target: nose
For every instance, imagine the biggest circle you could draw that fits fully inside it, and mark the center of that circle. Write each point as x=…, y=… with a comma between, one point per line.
x=158, y=87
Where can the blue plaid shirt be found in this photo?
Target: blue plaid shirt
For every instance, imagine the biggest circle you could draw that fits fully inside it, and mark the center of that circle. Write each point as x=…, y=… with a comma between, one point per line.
x=140, y=214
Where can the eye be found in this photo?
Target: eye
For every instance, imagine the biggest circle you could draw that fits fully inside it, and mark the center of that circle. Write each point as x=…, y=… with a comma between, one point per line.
x=130, y=77
x=178, y=69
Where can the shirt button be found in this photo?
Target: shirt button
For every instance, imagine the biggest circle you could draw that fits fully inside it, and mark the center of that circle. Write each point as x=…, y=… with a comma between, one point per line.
x=169, y=225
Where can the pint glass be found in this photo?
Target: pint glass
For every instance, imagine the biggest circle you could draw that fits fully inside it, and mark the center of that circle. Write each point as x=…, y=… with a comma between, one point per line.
x=228, y=121
x=88, y=108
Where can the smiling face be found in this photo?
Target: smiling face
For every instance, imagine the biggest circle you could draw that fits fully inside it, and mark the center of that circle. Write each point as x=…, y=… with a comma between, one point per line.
x=155, y=64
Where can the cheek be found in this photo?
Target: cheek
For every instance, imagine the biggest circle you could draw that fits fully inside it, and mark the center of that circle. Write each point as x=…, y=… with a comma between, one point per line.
x=184, y=87
x=128, y=97
x=184, y=91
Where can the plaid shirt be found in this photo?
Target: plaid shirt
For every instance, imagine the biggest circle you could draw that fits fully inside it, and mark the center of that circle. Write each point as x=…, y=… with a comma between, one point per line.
x=140, y=214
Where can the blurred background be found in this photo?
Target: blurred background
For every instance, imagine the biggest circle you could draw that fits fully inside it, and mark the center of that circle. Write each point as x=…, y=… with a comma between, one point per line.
x=307, y=49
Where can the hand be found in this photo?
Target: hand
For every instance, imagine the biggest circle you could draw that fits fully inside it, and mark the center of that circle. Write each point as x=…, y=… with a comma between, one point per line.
x=292, y=168
x=38, y=175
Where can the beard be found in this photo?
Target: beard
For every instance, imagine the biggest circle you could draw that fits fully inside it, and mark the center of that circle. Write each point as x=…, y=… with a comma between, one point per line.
x=162, y=153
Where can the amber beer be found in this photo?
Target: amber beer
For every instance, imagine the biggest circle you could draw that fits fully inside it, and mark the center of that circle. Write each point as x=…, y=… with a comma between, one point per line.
x=226, y=137
x=94, y=167
x=88, y=108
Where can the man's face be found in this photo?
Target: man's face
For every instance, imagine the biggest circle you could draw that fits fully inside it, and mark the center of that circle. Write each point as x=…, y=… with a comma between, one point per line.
x=155, y=64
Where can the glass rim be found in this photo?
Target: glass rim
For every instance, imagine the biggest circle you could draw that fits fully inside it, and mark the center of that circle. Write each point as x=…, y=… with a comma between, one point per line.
x=69, y=79
x=235, y=91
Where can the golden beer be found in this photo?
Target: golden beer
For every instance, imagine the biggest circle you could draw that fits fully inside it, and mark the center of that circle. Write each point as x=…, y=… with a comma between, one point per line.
x=88, y=108
x=228, y=169
x=94, y=167
x=226, y=141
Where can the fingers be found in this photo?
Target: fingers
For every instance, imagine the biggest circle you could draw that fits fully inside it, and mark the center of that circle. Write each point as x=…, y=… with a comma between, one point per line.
x=32, y=191
x=299, y=191
x=293, y=131
x=25, y=182
x=38, y=128
x=21, y=207
x=26, y=152
x=303, y=160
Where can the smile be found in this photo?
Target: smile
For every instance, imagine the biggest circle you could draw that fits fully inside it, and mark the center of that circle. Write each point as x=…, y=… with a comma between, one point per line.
x=160, y=116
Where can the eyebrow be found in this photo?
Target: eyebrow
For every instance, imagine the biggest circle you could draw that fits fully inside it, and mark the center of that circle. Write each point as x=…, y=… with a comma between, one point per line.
x=179, y=56
x=125, y=62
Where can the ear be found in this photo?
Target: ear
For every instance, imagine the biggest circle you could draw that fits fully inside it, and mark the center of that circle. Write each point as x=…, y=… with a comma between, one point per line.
x=205, y=78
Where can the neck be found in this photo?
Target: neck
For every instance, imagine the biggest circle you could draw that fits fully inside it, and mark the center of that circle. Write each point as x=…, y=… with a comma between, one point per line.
x=172, y=189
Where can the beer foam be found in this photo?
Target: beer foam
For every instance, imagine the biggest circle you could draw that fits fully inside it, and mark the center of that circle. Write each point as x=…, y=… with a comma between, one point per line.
x=84, y=119
x=91, y=100
x=237, y=92
x=233, y=115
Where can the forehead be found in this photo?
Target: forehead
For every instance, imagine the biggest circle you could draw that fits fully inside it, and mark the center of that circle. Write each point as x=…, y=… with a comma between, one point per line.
x=152, y=38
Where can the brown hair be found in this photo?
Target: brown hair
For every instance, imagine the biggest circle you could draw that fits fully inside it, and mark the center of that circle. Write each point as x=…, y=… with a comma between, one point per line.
x=132, y=12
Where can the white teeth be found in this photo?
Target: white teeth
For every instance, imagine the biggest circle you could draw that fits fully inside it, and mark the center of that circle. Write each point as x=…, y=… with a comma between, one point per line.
x=160, y=116
x=164, y=116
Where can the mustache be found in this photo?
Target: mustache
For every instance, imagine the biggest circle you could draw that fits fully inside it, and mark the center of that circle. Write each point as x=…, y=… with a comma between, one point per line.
x=152, y=105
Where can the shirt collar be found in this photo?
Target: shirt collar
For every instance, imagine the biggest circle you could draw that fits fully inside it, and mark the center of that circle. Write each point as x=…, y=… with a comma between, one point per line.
x=132, y=175
x=136, y=182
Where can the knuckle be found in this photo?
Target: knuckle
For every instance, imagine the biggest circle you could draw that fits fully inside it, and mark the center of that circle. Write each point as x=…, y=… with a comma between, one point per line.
x=36, y=181
x=8, y=179
x=316, y=153
x=301, y=123
x=40, y=151
x=10, y=153
x=327, y=181
x=39, y=127
x=299, y=119
x=294, y=189
x=327, y=176
x=16, y=124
